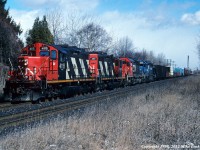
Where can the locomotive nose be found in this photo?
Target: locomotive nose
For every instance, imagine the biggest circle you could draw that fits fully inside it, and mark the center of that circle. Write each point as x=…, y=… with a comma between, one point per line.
x=22, y=64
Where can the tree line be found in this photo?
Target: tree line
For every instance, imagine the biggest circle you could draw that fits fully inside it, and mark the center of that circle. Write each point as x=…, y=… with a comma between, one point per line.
x=85, y=31
x=10, y=43
x=78, y=30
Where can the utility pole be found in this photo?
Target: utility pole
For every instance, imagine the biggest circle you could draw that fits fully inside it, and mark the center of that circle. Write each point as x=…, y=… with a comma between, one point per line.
x=1, y=49
x=188, y=62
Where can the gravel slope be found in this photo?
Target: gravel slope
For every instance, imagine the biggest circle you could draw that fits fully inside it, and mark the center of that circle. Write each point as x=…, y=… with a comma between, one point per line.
x=164, y=116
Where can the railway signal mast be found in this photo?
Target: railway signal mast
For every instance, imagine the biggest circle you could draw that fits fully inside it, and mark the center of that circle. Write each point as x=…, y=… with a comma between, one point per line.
x=188, y=62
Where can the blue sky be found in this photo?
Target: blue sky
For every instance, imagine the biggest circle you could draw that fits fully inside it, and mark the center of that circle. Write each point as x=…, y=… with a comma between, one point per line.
x=163, y=26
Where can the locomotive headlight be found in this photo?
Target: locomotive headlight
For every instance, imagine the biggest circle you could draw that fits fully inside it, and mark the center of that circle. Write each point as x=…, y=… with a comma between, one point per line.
x=25, y=62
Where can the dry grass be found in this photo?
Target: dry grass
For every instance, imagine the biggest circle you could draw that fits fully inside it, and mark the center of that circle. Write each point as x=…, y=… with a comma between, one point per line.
x=163, y=115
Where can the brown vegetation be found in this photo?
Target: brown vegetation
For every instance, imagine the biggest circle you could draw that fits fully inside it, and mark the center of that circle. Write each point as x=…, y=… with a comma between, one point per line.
x=163, y=115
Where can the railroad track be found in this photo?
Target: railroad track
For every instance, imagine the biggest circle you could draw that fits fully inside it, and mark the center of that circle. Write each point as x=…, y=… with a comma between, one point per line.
x=4, y=105
x=22, y=118
x=8, y=105
x=34, y=115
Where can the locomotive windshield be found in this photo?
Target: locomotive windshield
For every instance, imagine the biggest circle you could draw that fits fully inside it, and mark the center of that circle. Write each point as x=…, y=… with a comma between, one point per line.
x=44, y=53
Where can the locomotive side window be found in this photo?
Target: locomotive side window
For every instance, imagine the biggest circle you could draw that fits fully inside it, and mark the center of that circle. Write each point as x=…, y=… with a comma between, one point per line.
x=116, y=63
x=32, y=51
x=120, y=64
x=141, y=63
x=53, y=55
x=62, y=57
x=31, y=48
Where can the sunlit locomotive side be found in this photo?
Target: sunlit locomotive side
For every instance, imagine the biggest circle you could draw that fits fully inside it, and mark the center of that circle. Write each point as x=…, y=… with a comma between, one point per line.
x=50, y=71
x=37, y=64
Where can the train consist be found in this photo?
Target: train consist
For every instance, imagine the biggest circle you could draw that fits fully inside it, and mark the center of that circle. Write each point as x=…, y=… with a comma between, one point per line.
x=50, y=71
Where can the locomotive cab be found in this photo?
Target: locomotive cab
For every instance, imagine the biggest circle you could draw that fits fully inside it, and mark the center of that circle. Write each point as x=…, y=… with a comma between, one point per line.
x=93, y=65
x=101, y=65
x=37, y=62
x=127, y=67
x=118, y=68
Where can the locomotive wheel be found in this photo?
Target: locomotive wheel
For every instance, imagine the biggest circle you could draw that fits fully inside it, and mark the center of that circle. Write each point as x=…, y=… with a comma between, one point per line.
x=14, y=102
x=35, y=102
x=50, y=99
x=42, y=99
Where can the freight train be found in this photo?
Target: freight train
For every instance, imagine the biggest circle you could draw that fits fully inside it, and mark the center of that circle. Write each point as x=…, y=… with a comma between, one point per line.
x=47, y=71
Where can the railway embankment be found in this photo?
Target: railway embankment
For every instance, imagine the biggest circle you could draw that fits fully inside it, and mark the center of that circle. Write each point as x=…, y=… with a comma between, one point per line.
x=162, y=115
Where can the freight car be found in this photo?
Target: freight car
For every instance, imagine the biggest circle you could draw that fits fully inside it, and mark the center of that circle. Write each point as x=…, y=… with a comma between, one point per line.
x=161, y=72
x=187, y=72
x=178, y=72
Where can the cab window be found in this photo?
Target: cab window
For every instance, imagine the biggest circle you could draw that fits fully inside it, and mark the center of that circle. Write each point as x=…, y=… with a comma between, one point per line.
x=61, y=57
x=93, y=58
x=116, y=63
x=53, y=55
x=44, y=53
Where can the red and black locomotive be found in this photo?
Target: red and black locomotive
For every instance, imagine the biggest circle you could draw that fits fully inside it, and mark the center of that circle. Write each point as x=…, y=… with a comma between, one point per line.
x=49, y=71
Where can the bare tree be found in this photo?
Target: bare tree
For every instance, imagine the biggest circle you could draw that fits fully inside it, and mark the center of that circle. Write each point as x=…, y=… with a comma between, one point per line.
x=94, y=37
x=75, y=22
x=151, y=56
x=161, y=59
x=56, y=24
x=65, y=27
x=141, y=55
x=124, y=47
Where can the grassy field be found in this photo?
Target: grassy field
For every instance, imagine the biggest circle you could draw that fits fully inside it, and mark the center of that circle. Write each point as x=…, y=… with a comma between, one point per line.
x=162, y=116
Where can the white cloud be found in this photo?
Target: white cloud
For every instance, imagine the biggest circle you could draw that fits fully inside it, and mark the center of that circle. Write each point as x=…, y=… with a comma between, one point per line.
x=41, y=7
x=176, y=42
x=153, y=31
x=79, y=5
x=38, y=3
x=66, y=5
x=25, y=18
x=191, y=18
